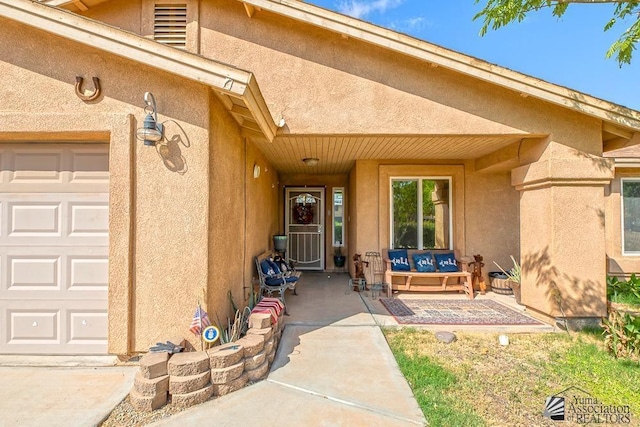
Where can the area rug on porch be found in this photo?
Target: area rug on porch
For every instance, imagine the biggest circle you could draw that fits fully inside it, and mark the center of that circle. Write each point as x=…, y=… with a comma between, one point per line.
x=454, y=312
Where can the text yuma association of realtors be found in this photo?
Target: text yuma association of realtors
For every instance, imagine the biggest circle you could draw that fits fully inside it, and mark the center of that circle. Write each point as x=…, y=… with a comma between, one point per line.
x=590, y=410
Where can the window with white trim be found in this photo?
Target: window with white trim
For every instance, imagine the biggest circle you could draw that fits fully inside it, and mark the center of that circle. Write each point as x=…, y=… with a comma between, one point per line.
x=421, y=213
x=631, y=216
x=170, y=24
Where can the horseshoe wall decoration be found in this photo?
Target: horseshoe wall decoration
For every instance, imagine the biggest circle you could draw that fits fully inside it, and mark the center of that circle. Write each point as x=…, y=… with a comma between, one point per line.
x=96, y=91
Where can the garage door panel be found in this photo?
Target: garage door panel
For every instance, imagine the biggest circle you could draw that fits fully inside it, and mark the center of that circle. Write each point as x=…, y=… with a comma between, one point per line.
x=34, y=219
x=87, y=326
x=54, y=236
x=41, y=166
x=33, y=326
x=89, y=166
x=33, y=273
x=89, y=219
x=88, y=274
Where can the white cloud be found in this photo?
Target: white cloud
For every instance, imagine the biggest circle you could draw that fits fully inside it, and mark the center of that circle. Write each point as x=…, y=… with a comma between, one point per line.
x=361, y=8
x=410, y=25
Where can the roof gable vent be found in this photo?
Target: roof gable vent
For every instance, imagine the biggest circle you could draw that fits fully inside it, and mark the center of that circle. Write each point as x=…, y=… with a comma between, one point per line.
x=170, y=24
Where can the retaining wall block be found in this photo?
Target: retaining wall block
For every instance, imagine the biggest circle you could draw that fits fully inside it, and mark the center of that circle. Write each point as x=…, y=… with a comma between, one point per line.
x=259, y=372
x=237, y=384
x=150, y=387
x=225, y=355
x=154, y=365
x=267, y=333
x=254, y=361
x=225, y=375
x=187, y=364
x=269, y=345
x=147, y=403
x=186, y=385
x=260, y=320
x=193, y=398
x=252, y=344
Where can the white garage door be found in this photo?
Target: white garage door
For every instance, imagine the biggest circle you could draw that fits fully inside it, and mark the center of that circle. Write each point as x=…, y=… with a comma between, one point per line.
x=54, y=229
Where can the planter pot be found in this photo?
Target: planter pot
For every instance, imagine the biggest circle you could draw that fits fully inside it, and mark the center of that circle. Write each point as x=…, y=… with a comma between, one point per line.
x=280, y=243
x=500, y=284
x=516, y=291
x=339, y=261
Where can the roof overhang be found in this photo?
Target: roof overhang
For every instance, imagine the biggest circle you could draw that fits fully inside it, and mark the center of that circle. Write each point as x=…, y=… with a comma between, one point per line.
x=436, y=55
x=237, y=88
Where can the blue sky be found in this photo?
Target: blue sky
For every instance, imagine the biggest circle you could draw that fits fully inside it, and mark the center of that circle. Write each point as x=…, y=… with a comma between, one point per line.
x=569, y=51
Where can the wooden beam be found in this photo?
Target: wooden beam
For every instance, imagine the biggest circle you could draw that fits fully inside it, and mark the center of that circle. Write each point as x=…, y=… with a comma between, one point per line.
x=618, y=143
x=242, y=111
x=249, y=9
x=83, y=7
x=503, y=159
x=615, y=130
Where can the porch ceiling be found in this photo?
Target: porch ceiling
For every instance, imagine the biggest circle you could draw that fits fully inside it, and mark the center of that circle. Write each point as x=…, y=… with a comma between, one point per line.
x=338, y=153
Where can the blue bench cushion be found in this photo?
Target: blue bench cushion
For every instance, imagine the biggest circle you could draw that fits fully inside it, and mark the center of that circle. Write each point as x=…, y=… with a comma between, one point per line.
x=446, y=262
x=399, y=260
x=424, y=262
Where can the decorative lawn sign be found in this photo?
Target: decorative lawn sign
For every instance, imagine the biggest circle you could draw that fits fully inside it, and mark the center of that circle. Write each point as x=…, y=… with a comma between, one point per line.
x=210, y=334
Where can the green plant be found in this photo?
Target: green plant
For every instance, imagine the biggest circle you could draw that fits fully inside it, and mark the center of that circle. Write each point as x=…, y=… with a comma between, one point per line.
x=515, y=274
x=622, y=334
x=627, y=290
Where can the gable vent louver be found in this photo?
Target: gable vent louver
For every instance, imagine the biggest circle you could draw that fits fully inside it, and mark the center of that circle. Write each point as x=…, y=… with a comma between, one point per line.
x=170, y=25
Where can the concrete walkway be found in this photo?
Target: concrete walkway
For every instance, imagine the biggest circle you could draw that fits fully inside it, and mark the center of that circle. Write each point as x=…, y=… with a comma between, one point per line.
x=333, y=367
x=47, y=396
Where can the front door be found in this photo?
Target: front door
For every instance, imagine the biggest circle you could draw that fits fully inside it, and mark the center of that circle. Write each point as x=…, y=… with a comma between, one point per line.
x=304, y=223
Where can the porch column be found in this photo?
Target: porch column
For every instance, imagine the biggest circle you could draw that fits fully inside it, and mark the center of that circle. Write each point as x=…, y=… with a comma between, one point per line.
x=562, y=235
x=440, y=199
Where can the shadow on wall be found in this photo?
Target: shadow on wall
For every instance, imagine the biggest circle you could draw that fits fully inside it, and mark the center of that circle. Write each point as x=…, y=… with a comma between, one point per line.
x=170, y=152
x=577, y=297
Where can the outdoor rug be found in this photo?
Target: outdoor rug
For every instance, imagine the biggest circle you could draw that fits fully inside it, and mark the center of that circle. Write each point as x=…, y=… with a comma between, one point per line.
x=454, y=312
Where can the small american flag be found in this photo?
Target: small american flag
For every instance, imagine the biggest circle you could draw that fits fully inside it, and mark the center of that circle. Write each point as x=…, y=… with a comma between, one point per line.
x=200, y=320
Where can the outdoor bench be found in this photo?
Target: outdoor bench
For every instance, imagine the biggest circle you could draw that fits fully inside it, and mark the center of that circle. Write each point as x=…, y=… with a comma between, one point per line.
x=436, y=281
x=272, y=279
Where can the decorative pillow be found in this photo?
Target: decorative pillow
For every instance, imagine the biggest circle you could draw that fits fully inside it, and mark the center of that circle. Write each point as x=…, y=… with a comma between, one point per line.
x=446, y=262
x=399, y=260
x=424, y=262
x=267, y=267
x=274, y=266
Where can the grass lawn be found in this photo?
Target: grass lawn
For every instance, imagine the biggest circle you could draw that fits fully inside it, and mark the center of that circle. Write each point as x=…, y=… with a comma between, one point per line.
x=476, y=382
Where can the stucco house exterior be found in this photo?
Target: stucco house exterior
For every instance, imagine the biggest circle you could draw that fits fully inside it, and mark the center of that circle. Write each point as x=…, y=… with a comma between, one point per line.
x=107, y=244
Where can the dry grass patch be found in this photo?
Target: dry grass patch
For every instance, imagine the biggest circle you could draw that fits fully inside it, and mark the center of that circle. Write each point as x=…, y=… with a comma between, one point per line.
x=505, y=386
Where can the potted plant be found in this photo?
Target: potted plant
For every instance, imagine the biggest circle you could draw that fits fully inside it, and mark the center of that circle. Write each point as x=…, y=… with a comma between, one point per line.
x=339, y=259
x=515, y=276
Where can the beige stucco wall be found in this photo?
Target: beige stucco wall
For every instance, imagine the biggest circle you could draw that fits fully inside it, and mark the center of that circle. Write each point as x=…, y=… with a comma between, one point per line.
x=562, y=229
x=618, y=264
x=493, y=218
x=176, y=212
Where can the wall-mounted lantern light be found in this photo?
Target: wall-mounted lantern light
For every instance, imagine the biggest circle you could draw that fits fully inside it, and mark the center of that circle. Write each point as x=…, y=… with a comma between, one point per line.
x=151, y=131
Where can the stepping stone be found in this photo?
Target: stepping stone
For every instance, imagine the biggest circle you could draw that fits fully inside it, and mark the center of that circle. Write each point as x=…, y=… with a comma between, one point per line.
x=445, y=337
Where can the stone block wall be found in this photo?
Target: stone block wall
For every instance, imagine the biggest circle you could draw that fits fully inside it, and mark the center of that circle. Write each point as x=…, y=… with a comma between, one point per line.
x=190, y=378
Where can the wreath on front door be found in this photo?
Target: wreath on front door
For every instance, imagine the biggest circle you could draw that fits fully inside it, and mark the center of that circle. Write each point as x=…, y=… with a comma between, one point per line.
x=303, y=214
